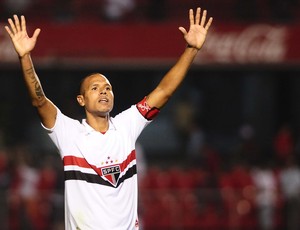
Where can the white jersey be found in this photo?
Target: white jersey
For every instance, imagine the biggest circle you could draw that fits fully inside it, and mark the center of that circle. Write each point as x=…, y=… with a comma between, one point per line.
x=100, y=171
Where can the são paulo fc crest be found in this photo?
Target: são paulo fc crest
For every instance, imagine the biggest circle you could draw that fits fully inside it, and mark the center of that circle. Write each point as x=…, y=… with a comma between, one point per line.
x=112, y=174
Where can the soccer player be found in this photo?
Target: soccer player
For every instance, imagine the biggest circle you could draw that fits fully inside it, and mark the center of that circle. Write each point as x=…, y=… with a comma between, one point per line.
x=99, y=153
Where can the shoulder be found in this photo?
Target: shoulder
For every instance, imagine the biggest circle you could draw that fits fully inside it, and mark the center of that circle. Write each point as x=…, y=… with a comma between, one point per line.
x=64, y=122
x=128, y=114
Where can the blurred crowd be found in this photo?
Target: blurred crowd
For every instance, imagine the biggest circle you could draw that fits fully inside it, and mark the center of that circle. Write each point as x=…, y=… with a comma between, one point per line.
x=151, y=10
x=31, y=189
x=247, y=188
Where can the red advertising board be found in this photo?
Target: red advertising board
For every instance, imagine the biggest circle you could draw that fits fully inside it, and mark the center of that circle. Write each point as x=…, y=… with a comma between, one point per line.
x=158, y=43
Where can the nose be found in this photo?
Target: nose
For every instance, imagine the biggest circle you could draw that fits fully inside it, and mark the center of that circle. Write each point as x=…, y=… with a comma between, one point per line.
x=103, y=91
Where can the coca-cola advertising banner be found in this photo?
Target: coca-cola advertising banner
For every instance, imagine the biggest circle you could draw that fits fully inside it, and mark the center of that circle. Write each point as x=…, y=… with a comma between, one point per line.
x=157, y=43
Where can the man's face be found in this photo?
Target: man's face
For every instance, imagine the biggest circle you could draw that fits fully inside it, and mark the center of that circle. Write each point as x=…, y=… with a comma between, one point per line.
x=96, y=95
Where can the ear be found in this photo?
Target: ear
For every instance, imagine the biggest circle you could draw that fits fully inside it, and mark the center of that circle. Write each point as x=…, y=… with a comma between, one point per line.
x=80, y=100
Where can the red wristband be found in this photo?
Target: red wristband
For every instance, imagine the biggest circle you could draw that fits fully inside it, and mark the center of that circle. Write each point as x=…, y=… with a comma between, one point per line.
x=146, y=111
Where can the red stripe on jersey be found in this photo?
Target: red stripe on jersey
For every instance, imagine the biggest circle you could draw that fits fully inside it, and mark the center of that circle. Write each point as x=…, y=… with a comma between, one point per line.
x=131, y=157
x=82, y=162
x=78, y=161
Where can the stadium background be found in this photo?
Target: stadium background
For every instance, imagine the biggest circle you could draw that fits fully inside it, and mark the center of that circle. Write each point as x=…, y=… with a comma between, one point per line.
x=216, y=155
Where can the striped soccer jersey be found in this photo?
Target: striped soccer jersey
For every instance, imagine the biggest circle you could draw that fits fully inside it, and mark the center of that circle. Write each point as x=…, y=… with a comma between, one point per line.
x=100, y=171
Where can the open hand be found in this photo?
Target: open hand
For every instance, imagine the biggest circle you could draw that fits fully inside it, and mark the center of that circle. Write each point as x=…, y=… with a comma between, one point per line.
x=17, y=31
x=196, y=35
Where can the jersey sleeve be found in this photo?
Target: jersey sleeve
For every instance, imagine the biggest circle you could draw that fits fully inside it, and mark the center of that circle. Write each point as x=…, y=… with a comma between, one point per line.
x=135, y=119
x=64, y=129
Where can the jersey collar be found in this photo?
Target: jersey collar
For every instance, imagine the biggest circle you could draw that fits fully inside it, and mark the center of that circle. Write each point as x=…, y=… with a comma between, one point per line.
x=89, y=129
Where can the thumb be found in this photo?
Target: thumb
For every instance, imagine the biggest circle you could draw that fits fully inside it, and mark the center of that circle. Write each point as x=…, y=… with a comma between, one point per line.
x=36, y=33
x=183, y=31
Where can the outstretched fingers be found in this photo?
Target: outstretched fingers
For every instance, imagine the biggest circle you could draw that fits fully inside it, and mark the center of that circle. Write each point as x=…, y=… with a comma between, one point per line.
x=198, y=12
x=8, y=31
x=191, y=16
x=23, y=23
x=12, y=28
x=17, y=23
x=197, y=19
x=208, y=23
x=203, y=18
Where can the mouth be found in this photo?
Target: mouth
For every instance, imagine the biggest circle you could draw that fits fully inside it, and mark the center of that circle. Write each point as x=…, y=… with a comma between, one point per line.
x=103, y=100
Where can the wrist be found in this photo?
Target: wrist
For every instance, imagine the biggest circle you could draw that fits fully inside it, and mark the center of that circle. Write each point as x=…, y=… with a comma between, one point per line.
x=192, y=47
x=23, y=55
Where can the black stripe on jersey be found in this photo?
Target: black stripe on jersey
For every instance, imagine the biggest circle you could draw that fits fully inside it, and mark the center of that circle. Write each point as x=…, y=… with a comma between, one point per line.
x=96, y=179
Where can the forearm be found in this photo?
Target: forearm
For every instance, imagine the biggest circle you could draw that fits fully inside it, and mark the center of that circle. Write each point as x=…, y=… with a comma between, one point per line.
x=172, y=80
x=32, y=81
x=178, y=72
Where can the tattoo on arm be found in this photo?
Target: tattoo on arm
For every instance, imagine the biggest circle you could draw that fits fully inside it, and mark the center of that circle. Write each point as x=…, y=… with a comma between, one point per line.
x=34, y=80
x=38, y=89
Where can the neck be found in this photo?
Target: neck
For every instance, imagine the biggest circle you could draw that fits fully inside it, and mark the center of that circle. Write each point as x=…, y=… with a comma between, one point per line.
x=100, y=124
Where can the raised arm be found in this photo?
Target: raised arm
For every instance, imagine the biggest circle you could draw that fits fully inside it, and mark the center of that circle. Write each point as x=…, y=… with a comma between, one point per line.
x=194, y=38
x=23, y=45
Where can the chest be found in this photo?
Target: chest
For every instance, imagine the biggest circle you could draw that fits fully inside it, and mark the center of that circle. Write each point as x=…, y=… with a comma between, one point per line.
x=103, y=149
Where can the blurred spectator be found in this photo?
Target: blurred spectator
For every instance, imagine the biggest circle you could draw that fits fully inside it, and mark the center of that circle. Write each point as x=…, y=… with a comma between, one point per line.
x=211, y=159
x=247, y=149
x=195, y=144
x=23, y=192
x=245, y=193
x=187, y=128
x=266, y=195
x=284, y=143
x=236, y=187
x=46, y=189
x=116, y=10
x=290, y=186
